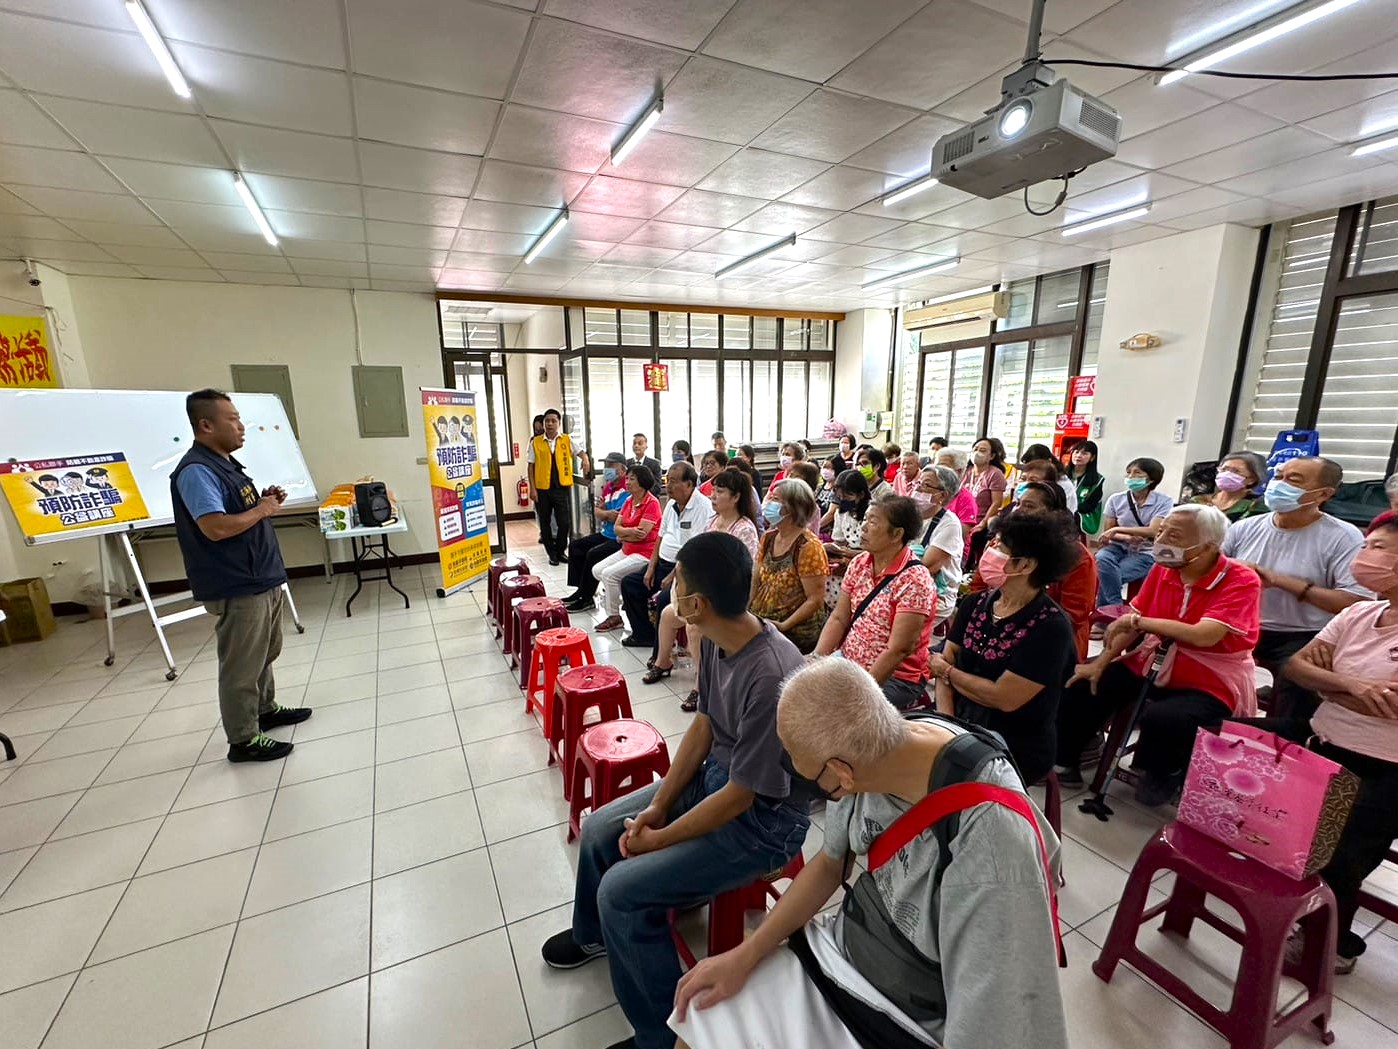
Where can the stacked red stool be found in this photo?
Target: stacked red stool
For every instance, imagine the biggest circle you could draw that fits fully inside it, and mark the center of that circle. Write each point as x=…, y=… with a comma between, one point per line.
x=552, y=649
x=499, y=568
x=533, y=615
x=728, y=912
x=615, y=758
x=582, y=688
x=515, y=588
x=1270, y=904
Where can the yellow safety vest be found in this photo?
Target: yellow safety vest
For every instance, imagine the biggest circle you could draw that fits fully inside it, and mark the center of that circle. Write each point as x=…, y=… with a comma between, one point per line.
x=562, y=452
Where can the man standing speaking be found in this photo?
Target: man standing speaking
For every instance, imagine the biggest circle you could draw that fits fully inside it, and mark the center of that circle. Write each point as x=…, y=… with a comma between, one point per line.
x=551, y=485
x=235, y=569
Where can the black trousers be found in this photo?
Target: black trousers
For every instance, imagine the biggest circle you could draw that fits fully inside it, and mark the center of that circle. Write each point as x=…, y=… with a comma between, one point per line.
x=1273, y=651
x=1168, y=724
x=555, y=520
x=635, y=601
x=1372, y=826
x=584, y=555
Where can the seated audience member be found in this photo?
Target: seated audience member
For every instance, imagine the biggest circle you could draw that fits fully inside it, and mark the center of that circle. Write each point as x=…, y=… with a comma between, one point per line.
x=1011, y=648
x=638, y=530
x=825, y=493
x=720, y=443
x=937, y=445
x=1048, y=471
x=985, y=480
x=788, y=582
x=883, y=618
x=975, y=924
x=1302, y=555
x=680, y=452
x=791, y=452
x=1235, y=486
x=686, y=515
x=964, y=505
x=587, y=552
x=1390, y=489
x=1087, y=484
x=892, y=453
x=847, y=529
x=906, y=476
x=1206, y=606
x=1350, y=664
x=725, y=814
x=845, y=450
x=1131, y=520
x=735, y=513
x=873, y=466
x=749, y=471
x=640, y=444
x=806, y=471
x=749, y=454
x=942, y=544
x=710, y=463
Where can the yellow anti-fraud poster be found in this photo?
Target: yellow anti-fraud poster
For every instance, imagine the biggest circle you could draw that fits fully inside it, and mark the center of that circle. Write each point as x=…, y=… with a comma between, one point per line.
x=458, y=496
x=55, y=496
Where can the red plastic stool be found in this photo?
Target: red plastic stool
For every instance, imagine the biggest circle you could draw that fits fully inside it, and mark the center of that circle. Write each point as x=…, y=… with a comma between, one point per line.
x=533, y=615
x=728, y=912
x=616, y=757
x=596, y=687
x=1270, y=904
x=551, y=650
x=499, y=568
x=521, y=586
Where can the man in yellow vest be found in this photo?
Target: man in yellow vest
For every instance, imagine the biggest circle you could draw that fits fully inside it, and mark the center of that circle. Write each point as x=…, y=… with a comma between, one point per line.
x=551, y=484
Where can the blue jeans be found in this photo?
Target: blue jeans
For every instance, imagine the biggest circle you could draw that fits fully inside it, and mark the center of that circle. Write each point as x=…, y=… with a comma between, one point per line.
x=1117, y=565
x=624, y=903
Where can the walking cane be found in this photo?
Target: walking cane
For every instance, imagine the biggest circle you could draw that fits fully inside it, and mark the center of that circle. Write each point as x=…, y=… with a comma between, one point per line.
x=1097, y=804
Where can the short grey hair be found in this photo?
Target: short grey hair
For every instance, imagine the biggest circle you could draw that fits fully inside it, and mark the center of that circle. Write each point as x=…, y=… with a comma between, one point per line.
x=832, y=708
x=957, y=457
x=1211, y=522
x=1390, y=487
x=949, y=479
x=797, y=497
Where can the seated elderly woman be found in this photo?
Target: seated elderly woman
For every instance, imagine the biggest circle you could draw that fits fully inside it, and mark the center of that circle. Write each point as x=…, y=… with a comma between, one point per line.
x=1205, y=607
x=883, y=618
x=1235, y=486
x=1350, y=663
x=942, y=544
x=969, y=961
x=1010, y=648
x=788, y=579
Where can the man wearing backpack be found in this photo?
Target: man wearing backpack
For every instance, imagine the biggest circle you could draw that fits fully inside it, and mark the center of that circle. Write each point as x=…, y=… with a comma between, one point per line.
x=955, y=851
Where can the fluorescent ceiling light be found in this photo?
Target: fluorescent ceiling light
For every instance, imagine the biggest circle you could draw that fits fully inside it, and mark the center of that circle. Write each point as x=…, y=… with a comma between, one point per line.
x=251, y=204
x=1374, y=145
x=756, y=256
x=555, y=228
x=637, y=131
x=157, y=46
x=909, y=189
x=1263, y=32
x=916, y=271
x=1110, y=219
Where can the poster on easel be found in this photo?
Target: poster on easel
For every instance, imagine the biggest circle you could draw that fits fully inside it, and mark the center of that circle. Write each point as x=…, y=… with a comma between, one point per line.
x=55, y=497
x=26, y=362
x=458, y=492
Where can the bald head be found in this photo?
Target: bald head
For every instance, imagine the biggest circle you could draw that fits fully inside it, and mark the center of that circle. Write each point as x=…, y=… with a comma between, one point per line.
x=832, y=708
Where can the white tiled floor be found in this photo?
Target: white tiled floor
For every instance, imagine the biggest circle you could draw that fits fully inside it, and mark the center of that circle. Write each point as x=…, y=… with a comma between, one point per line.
x=390, y=883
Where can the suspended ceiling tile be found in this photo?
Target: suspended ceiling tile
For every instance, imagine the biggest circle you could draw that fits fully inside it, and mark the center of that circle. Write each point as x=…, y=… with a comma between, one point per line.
x=269, y=28
x=209, y=238
x=830, y=126
x=260, y=277
x=700, y=262
x=534, y=282
x=840, y=188
x=471, y=260
x=300, y=224
x=1378, y=181
x=470, y=280
x=322, y=267
x=732, y=242
x=420, y=275
x=422, y=117
x=523, y=184
x=670, y=235
x=610, y=229
x=176, y=181
x=1296, y=101
x=55, y=168
x=805, y=250
x=919, y=206
x=308, y=248
x=315, y=280
x=1204, y=132
x=728, y=102
x=778, y=218
x=618, y=196
x=461, y=46
x=147, y=134
x=1278, y=178
x=243, y=262
x=761, y=173
x=1190, y=202
x=62, y=250
x=97, y=269
x=273, y=151
x=813, y=39
x=964, y=243
x=408, y=235
x=422, y=208
x=672, y=159
x=974, y=212
x=1152, y=32
x=907, y=152
x=295, y=194
x=639, y=255
x=1374, y=116
x=1276, y=147
x=568, y=245
x=12, y=205
x=700, y=207
x=507, y=218
x=99, y=13
x=852, y=229
x=42, y=228
x=680, y=23
x=1058, y=18
x=22, y=123
x=557, y=267
x=418, y=170
x=492, y=242
x=181, y=215
x=77, y=204
x=858, y=255
x=139, y=256
x=909, y=236
x=553, y=140
x=260, y=91
x=190, y=273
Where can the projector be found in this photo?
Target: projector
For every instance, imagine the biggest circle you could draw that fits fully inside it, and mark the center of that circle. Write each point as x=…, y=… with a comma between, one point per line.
x=1044, y=128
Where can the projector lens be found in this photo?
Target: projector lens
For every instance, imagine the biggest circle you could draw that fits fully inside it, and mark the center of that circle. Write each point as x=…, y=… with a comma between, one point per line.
x=1015, y=118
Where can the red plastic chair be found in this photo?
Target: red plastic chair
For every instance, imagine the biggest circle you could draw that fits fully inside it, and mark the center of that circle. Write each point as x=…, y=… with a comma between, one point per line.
x=1270, y=904
x=511, y=587
x=615, y=757
x=552, y=649
x=580, y=689
x=532, y=616
x=728, y=912
x=499, y=568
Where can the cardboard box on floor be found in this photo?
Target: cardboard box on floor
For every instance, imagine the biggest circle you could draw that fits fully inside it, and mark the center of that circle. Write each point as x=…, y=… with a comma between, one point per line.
x=28, y=614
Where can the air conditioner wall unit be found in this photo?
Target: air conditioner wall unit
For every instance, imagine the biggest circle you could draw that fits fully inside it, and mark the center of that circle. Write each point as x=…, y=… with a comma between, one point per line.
x=988, y=305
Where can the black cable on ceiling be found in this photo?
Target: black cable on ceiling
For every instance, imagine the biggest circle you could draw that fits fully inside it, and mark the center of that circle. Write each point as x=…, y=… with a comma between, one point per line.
x=1141, y=67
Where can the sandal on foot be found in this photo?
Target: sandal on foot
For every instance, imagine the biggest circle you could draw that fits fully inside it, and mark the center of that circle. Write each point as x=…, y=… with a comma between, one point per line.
x=655, y=674
x=610, y=623
x=690, y=703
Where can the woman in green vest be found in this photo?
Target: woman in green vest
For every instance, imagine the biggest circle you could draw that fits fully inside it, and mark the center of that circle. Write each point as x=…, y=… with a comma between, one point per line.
x=1082, y=471
x=1235, y=486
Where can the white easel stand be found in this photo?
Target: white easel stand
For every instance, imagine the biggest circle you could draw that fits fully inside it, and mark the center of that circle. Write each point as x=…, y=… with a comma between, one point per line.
x=149, y=604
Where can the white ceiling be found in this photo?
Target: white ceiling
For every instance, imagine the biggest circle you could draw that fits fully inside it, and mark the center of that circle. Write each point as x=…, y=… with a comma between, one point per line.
x=420, y=144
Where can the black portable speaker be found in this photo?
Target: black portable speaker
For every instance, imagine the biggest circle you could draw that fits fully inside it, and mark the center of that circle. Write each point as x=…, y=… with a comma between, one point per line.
x=371, y=500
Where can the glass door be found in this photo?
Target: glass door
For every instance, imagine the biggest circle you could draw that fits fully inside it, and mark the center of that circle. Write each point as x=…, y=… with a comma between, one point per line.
x=574, y=375
x=484, y=374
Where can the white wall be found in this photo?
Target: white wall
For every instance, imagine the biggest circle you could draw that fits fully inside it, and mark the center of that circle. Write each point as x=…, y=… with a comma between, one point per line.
x=862, y=365
x=1192, y=291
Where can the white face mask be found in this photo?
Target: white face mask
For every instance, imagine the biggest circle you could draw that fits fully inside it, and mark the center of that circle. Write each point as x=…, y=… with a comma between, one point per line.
x=981, y=458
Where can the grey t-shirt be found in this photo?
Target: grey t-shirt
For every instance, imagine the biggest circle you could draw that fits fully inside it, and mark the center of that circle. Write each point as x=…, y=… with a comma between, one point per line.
x=738, y=693
x=991, y=930
x=1320, y=553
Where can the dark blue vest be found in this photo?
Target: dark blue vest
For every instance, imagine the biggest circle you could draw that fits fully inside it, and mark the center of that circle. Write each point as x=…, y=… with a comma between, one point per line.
x=249, y=563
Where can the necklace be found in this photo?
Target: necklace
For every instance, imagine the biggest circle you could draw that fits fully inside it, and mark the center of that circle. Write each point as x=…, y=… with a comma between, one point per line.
x=998, y=615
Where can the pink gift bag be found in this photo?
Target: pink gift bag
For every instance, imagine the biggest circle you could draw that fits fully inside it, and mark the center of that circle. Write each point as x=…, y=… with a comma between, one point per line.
x=1268, y=798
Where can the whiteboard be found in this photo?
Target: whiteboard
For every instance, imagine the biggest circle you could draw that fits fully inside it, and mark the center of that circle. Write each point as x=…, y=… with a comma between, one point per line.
x=151, y=428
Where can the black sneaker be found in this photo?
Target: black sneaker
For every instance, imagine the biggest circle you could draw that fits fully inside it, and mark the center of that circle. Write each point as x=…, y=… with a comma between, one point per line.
x=563, y=558
x=632, y=641
x=259, y=748
x=561, y=951
x=1069, y=776
x=581, y=606
x=280, y=715
x=553, y=561
x=1153, y=790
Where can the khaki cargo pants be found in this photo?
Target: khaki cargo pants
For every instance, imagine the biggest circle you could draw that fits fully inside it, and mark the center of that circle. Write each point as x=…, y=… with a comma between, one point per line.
x=249, y=635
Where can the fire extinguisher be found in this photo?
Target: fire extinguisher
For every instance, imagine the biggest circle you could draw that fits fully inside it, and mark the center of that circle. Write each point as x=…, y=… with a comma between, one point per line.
x=522, y=492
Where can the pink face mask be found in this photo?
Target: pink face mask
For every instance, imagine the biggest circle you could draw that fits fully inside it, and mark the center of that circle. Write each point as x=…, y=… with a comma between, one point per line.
x=1375, y=569
x=992, y=567
x=1228, y=481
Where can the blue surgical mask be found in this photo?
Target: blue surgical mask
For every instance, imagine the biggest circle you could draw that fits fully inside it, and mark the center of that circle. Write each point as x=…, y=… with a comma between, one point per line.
x=1020, y=489
x=1282, y=496
x=772, y=512
x=609, y=474
x=677, y=457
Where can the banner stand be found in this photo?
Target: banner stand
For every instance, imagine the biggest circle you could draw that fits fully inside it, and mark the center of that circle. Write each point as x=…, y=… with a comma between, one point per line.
x=452, y=432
